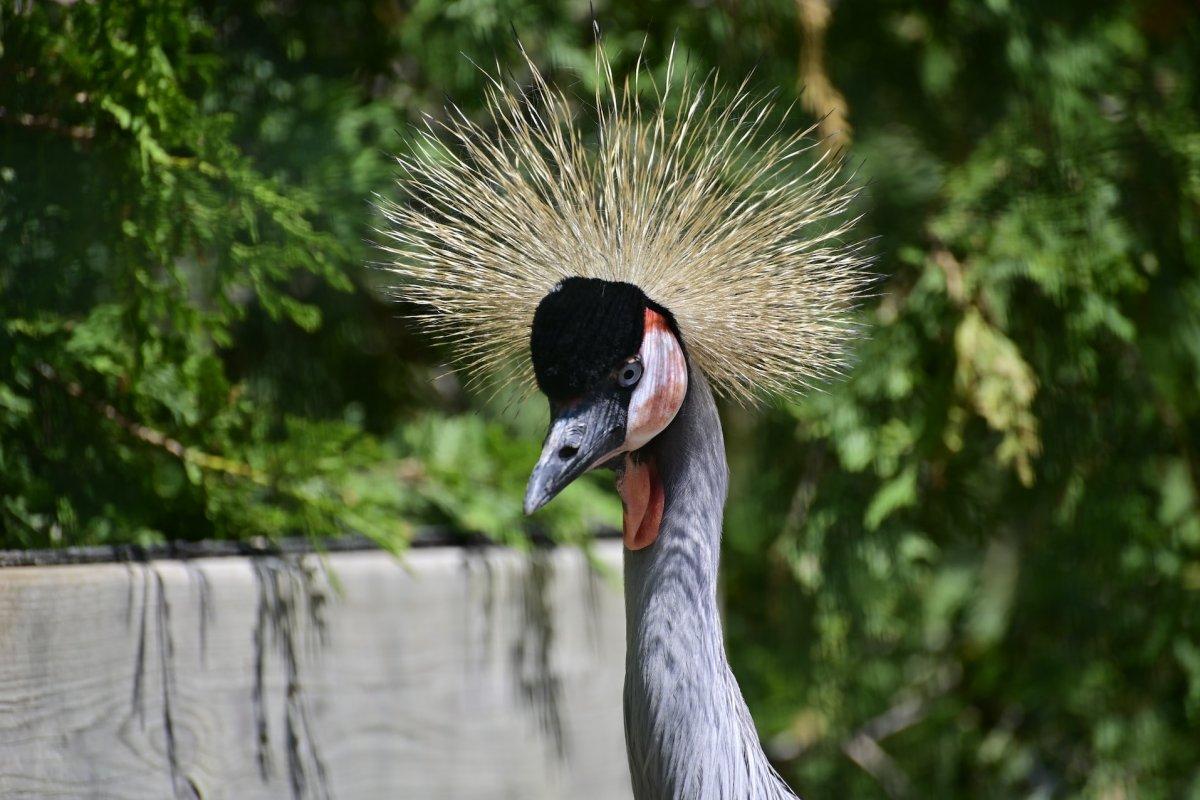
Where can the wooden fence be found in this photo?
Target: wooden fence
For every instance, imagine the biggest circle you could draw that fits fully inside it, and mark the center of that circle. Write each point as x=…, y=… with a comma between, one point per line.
x=473, y=674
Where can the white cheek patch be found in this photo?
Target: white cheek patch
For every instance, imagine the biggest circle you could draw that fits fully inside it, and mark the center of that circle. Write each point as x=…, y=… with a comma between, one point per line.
x=660, y=392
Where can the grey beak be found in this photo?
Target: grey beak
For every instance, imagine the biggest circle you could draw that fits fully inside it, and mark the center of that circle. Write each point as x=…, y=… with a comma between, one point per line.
x=581, y=436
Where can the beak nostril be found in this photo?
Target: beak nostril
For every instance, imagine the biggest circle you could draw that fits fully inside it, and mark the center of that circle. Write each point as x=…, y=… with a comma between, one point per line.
x=568, y=451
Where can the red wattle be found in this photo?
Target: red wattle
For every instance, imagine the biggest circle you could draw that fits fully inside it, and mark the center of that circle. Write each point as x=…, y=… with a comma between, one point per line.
x=642, y=497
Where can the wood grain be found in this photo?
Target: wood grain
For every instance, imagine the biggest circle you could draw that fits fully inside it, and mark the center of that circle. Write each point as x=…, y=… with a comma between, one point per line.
x=457, y=674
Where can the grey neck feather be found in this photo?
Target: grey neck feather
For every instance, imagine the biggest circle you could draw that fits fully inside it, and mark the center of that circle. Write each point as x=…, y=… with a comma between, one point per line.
x=687, y=728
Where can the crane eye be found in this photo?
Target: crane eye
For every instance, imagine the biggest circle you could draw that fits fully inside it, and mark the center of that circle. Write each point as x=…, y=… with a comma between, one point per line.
x=629, y=373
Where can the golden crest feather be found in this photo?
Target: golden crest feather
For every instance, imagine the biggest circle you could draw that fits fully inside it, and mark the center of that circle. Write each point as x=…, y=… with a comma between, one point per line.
x=697, y=198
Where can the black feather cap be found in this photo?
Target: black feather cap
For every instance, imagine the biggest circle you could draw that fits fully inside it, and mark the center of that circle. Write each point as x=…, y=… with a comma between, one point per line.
x=582, y=331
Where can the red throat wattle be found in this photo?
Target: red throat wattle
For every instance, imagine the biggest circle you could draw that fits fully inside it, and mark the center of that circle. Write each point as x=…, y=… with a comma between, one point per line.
x=641, y=493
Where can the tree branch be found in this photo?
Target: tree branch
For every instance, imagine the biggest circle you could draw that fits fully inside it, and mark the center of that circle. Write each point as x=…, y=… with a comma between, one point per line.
x=865, y=751
x=154, y=437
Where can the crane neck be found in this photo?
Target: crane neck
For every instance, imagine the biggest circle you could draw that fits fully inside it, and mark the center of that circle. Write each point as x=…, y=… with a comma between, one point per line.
x=687, y=728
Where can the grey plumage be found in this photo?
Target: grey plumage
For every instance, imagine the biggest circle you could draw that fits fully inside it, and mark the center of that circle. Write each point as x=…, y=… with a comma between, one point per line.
x=687, y=728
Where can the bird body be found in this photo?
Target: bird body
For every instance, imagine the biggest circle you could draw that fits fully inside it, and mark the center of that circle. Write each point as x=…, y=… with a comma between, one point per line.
x=687, y=246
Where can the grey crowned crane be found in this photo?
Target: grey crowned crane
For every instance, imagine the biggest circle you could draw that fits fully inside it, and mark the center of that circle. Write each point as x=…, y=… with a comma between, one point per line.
x=690, y=246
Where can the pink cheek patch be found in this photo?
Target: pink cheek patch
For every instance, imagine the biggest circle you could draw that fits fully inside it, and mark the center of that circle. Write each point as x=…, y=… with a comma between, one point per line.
x=660, y=393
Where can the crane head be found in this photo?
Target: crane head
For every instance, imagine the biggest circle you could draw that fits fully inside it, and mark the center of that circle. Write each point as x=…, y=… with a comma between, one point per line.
x=613, y=367
x=702, y=202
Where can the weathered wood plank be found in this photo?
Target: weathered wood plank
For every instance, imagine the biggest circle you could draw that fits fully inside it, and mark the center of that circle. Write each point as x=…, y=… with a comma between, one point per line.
x=473, y=674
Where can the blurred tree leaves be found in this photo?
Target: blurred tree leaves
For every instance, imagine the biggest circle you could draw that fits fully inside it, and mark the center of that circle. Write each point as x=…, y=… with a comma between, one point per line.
x=1006, y=449
x=191, y=345
x=980, y=551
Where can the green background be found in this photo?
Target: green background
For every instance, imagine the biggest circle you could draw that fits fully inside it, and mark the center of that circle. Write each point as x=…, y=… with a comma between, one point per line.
x=971, y=569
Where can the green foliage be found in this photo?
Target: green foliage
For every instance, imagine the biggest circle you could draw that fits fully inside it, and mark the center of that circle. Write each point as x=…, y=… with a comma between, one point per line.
x=183, y=209
x=981, y=549
x=994, y=520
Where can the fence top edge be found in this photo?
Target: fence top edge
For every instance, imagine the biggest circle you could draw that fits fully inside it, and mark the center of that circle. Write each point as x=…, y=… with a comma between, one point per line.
x=426, y=537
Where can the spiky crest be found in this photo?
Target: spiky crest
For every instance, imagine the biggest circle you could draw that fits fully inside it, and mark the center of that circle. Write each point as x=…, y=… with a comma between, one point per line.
x=736, y=228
